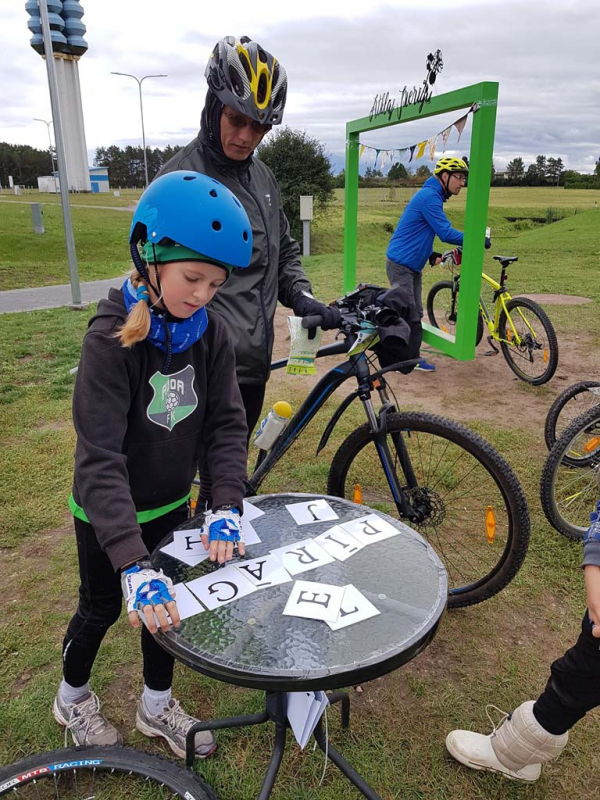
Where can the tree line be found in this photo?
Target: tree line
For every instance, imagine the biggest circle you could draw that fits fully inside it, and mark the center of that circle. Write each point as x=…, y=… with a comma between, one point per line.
x=126, y=165
x=23, y=163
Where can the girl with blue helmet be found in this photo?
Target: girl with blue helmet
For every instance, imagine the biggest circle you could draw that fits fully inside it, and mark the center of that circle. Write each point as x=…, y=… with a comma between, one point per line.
x=156, y=390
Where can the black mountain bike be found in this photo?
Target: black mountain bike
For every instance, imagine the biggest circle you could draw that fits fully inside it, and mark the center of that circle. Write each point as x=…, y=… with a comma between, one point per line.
x=574, y=401
x=437, y=475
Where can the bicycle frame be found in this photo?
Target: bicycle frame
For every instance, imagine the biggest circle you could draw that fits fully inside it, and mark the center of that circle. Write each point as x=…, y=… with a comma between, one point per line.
x=356, y=366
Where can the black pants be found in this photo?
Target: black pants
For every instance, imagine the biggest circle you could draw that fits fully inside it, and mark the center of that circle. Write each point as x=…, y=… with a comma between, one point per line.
x=253, y=395
x=411, y=281
x=100, y=603
x=574, y=685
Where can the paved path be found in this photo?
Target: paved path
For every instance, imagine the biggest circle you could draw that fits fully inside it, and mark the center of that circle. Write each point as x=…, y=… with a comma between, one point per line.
x=54, y=296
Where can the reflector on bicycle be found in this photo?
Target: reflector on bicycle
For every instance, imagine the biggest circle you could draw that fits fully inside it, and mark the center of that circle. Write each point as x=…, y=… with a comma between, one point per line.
x=592, y=444
x=357, y=496
x=490, y=524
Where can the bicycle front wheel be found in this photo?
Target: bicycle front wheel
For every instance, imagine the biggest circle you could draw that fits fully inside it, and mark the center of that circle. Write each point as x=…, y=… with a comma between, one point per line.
x=469, y=503
x=442, y=308
x=100, y=773
x=570, y=404
x=535, y=357
x=570, y=483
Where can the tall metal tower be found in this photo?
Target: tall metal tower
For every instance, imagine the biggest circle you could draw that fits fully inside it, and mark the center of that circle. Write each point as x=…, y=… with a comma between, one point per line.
x=68, y=45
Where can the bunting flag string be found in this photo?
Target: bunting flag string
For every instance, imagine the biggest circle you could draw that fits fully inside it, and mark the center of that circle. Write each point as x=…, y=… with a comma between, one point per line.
x=417, y=151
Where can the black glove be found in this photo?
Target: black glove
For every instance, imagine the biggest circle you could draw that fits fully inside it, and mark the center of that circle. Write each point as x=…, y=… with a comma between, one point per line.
x=305, y=306
x=433, y=258
x=488, y=242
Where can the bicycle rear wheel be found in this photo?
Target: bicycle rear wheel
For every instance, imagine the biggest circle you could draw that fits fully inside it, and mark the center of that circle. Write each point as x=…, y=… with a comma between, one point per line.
x=570, y=404
x=442, y=307
x=100, y=773
x=535, y=359
x=471, y=507
x=570, y=483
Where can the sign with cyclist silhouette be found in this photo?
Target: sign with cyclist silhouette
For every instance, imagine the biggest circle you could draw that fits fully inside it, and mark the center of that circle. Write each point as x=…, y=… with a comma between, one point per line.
x=482, y=98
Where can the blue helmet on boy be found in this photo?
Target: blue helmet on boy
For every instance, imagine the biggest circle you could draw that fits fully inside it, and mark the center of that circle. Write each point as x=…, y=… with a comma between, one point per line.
x=197, y=212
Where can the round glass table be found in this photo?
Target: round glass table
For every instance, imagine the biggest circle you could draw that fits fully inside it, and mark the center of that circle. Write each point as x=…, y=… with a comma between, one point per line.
x=250, y=642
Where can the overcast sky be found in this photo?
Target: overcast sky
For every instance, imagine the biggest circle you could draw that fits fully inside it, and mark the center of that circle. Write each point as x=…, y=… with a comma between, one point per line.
x=338, y=56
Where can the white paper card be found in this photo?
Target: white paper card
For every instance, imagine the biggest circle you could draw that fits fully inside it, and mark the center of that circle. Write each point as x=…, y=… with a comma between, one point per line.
x=174, y=550
x=264, y=572
x=251, y=511
x=370, y=529
x=339, y=543
x=311, y=600
x=187, y=605
x=250, y=535
x=302, y=556
x=355, y=608
x=313, y=511
x=304, y=709
x=221, y=587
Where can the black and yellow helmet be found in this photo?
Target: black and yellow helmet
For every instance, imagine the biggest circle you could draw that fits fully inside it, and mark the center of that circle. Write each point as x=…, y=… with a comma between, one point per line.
x=451, y=165
x=244, y=76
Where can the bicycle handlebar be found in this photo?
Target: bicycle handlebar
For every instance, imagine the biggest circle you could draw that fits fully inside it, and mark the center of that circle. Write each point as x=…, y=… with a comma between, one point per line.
x=314, y=321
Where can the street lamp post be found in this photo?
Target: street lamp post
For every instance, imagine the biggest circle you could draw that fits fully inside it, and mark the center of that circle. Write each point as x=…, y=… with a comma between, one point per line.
x=37, y=119
x=139, y=83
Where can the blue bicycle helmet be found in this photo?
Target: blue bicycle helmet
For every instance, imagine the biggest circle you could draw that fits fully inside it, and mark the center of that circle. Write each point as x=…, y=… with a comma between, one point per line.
x=197, y=212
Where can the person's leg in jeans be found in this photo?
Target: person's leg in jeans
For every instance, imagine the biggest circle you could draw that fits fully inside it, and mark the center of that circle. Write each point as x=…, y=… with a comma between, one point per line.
x=253, y=395
x=411, y=281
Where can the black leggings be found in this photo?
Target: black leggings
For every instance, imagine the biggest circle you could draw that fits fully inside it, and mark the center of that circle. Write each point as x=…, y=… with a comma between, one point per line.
x=253, y=395
x=574, y=685
x=100, y=603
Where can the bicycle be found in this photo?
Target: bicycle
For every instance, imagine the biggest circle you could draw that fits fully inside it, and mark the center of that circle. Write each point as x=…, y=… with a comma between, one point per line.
x=570, y=404
x=441, y=478
x=101, y=772
x=521, y=327
x=570, y=481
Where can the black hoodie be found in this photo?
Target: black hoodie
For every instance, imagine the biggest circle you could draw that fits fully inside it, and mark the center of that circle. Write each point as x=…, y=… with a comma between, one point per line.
x=140, y=433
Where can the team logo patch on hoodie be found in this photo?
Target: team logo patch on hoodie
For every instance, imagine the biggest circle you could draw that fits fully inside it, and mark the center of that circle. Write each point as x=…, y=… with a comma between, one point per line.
x=174, y=397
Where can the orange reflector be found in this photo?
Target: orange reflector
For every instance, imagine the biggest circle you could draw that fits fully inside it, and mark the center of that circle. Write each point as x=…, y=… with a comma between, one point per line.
x=357, y=496
x=509, y=335
x=546, y=356
x=193, y=504
x=593, y=443
x=490, y=524
x=445, y=329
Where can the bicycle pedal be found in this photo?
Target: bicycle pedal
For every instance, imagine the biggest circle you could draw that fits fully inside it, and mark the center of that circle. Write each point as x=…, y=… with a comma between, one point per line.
x=494, y=351
x=491, y=353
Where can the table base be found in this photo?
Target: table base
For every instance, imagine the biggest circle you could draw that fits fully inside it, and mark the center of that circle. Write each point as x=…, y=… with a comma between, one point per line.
x=275, y=711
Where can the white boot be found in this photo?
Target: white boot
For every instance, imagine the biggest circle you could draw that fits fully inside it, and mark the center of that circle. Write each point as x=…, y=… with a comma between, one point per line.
x=516, y=749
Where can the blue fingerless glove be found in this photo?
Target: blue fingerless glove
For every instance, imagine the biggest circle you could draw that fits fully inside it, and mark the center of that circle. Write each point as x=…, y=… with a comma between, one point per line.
x=223, y=525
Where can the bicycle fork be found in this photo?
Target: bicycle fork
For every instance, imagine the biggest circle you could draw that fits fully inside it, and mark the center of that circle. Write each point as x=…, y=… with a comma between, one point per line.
x=378, y=425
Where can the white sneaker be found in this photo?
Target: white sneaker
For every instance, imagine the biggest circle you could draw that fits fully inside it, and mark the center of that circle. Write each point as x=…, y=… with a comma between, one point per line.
x=475, y=750
x=86, y=723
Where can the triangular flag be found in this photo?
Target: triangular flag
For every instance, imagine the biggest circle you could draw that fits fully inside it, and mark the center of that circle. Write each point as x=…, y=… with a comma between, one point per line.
x=376, y=157
x=421, y=150
x=412, y=152
x=460, y=125
x=361, y=151
x=432, y=142
x=445, y=135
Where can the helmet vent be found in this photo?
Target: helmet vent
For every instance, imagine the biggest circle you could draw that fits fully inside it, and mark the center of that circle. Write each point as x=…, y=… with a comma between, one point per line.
x=216, y=225
x=245, y=236
x=213, y=193
x=189, y=178
x=262, y=56
x=236, y=82
x=262, y=88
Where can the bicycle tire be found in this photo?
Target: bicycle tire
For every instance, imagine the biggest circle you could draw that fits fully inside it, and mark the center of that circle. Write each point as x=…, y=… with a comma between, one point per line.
x=558, y=420
x=579, y=483
x=469, y=583
x=437, y=291
x=549, y=346
x=90, y=772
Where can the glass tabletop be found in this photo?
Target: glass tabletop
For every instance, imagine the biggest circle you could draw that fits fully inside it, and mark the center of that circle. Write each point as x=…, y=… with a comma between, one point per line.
x=250, y=642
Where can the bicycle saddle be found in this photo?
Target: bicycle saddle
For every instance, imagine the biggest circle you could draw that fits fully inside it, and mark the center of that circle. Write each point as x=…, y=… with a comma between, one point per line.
x=506, y=259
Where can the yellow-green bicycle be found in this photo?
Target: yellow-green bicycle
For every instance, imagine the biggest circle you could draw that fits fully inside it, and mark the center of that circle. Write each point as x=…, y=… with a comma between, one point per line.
x=521, y=327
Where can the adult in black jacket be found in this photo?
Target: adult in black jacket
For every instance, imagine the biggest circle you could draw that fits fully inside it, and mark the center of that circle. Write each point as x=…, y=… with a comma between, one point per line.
x=246, y=97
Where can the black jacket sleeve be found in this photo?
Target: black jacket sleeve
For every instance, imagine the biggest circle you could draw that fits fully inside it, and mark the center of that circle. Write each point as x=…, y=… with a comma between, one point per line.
x=101, y=402
x=225, y=428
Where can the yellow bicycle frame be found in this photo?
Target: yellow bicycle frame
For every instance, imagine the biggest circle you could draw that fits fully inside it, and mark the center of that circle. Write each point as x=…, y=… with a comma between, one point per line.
x=500, y=306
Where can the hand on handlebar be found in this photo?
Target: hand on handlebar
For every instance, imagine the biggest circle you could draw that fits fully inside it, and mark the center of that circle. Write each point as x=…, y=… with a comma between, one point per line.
x=488, y=242
x=305, y=306
x=435, y=259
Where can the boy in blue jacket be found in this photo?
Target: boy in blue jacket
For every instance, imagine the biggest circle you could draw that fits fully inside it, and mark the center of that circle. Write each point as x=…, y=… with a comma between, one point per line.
x=412, y=242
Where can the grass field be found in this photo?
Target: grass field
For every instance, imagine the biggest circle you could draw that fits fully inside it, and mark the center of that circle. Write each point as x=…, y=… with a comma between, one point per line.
x=498, y=652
